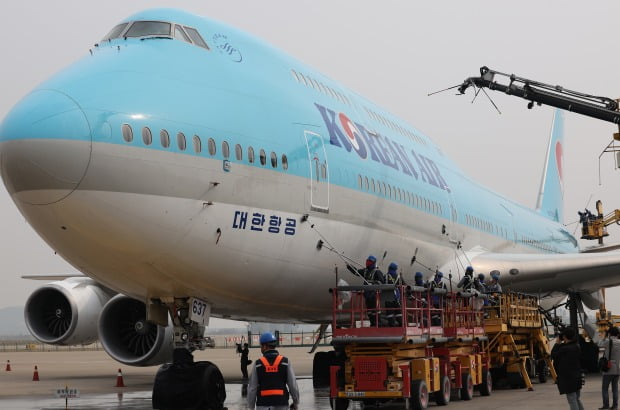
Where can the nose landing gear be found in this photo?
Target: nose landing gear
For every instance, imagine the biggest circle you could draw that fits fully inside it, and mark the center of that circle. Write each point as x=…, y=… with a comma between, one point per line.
x=185, y=383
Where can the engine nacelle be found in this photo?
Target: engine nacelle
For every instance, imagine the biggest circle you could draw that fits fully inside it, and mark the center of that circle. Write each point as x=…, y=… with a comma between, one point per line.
x=66, y=312
x=128, y=338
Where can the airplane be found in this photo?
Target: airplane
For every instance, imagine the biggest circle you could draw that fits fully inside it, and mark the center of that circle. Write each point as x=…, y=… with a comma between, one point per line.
x=188, y=169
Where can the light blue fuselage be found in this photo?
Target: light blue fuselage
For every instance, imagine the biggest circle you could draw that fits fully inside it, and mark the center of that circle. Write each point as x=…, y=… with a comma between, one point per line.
x=153, y=221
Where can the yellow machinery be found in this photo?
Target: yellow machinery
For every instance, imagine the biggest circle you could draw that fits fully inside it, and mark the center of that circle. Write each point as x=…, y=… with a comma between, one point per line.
x=595, y=226
x=514, y=327
x=605, y=319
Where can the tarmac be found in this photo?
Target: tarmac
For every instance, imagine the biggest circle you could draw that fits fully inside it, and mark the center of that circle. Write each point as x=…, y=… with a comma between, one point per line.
x=94, y=374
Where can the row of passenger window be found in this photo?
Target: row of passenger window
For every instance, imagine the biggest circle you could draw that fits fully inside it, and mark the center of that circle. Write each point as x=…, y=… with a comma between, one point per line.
x=181, y=140
x=492, y=228
x=320, y=87
x=395, y=127
x=485, y=225
x=398, y=194
x=537, y=244
x=327, y=90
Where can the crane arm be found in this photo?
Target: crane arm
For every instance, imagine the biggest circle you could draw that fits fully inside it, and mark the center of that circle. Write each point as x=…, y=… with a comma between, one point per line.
x=602, y=108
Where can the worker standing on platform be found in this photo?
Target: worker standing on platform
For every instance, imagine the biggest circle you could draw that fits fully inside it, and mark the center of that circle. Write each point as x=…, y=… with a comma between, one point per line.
x=494, y=286
x=372, y=276
x=272, y=380
x=419, y=279
x=371, y=273
x=392, y=304
x=565, y=355
x=436, y=300
x=479, y=284
x=612, y=353
x=467, y=281
x=437, y=282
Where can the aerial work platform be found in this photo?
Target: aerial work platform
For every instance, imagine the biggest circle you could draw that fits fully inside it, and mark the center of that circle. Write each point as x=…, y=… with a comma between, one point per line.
x=413, y=343
x=517, y=344
x=407, y=344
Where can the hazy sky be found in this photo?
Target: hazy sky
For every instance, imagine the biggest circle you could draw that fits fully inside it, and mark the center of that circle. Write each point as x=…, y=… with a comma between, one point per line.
x=392, y=52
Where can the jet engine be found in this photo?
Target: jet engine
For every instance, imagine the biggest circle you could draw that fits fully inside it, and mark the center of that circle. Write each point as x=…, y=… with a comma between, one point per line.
x=66, y=312
x=128, y=338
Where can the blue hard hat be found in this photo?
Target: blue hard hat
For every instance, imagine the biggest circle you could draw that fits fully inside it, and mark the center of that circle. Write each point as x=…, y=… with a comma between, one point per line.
x=469, y=269
x=495, y=274
x=439, y=274
x=481, y=276
x=418, y=274
x=393, y=266
x=267, y=338
x=371, y=258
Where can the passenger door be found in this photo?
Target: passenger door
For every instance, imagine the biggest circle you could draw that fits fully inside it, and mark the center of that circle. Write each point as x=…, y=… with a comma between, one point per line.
x=319, y=172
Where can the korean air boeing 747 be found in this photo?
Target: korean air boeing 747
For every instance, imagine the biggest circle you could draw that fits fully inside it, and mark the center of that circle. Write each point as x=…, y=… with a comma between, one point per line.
x=189, y=169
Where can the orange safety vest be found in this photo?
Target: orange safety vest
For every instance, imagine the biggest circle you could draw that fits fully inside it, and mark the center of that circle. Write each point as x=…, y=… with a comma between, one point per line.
x=272, y=389
x=272, y=368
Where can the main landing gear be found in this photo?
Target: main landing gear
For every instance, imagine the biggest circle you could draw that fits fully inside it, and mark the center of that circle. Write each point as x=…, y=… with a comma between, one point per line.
x=589, y=349
x=184, y=383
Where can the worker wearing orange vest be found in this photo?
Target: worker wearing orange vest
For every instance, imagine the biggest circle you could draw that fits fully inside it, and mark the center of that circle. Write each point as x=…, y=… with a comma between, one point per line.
x=272, y=380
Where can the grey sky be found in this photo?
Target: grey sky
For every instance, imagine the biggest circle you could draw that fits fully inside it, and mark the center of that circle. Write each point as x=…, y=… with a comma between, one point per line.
x=392, y=52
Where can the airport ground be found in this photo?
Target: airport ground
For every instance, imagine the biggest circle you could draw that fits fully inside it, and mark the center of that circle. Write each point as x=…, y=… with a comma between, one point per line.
x=94, y=374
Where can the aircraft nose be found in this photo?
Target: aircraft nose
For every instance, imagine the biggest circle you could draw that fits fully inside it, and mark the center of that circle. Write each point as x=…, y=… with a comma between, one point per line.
x=45, y=147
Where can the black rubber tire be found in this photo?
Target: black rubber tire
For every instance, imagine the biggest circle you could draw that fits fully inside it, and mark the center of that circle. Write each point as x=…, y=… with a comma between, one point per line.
x=486, y=387
x=442, y=396
x=455, y=395
x=467, y=391
x=320, y=370
x=321, y=364
x=419, y=395
x=195, y=385
x=215, y=388
x=340, y=404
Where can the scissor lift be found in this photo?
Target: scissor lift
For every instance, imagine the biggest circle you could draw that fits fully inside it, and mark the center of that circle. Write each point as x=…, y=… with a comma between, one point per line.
x=514, y=326
x=431, y=344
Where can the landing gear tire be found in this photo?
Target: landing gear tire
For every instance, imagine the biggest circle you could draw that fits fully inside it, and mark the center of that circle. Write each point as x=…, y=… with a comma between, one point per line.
x=188, y=384
x=467, y=391
x=442, y=396
x=487, y=383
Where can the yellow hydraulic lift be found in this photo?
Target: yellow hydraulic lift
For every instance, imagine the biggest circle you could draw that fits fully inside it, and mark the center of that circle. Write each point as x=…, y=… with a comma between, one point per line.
x=604, y=318
x=595, y=226
x=515, y=329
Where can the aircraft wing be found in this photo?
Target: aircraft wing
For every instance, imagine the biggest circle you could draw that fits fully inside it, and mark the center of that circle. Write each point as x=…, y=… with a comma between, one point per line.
x=52, y=277
x=584, y=273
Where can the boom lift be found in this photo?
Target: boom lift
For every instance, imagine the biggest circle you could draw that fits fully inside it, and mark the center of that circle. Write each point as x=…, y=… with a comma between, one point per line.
x=602, y=108
x=595, y=226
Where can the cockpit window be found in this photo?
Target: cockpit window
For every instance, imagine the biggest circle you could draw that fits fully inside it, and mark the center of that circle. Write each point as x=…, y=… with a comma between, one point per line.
x=148, y=28
x=135, y=29
x=115, y=32
x=179, y=34
x=196, y=37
